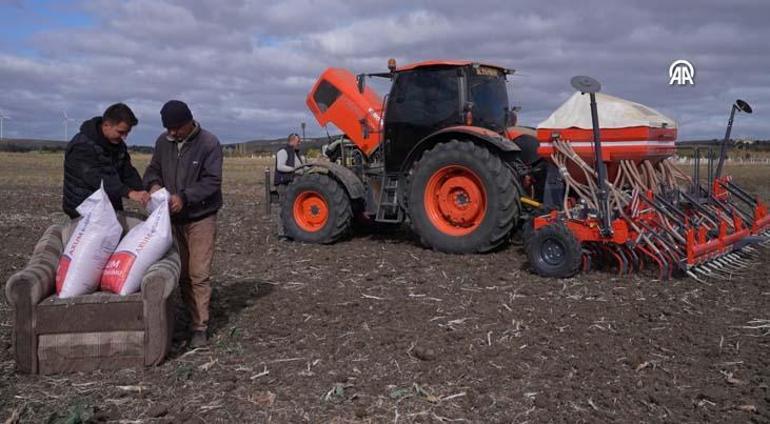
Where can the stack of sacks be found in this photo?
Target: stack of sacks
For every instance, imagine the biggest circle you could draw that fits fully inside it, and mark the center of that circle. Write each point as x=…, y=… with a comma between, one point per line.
x=96, y=257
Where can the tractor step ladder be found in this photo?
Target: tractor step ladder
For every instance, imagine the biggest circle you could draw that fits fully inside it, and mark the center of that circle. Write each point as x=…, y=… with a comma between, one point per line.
x=389, y=209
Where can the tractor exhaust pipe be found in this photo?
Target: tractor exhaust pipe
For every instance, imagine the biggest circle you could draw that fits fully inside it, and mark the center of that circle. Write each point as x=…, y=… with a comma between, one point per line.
x=741, y=106
x=591, y=86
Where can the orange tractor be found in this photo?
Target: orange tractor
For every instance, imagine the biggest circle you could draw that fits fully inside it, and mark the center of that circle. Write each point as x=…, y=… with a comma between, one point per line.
x=442, y=152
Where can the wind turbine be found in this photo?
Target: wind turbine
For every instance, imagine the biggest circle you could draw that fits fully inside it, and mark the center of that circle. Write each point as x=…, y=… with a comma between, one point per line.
x=3, y=117
x=67, y=120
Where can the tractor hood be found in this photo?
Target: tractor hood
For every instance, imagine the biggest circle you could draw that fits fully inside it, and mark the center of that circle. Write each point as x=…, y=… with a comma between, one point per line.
x=614, y=112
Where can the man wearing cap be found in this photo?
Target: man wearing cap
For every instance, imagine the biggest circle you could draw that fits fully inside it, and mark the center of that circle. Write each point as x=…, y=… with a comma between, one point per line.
x=98, y=154
x=287, y=160
x=188, y=162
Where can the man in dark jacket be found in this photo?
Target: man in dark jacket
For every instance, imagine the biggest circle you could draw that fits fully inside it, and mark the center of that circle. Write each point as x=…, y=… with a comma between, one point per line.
x=98, y=154
x=188, y=162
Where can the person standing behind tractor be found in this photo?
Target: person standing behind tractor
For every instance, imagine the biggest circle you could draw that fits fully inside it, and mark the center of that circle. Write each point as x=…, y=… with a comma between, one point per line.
x=98, y=154
x=188, y=162
x=287, y=160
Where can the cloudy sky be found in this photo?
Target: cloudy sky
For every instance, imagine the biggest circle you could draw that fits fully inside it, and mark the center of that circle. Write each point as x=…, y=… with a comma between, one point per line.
x=245, y=66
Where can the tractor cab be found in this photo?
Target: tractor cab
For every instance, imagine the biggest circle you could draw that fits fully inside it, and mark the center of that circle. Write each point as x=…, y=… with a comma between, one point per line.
x=430, y=96
x=424, y=98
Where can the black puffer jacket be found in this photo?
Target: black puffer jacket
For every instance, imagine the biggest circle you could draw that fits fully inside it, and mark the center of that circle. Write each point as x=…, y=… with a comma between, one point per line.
x=90, y=159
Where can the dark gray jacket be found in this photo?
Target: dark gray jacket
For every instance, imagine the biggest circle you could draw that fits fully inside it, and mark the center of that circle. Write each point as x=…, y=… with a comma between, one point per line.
x=195, y=173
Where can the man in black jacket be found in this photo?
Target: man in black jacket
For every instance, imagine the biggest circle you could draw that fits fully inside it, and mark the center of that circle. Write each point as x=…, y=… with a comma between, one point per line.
x=98, y=154
x=188, y=162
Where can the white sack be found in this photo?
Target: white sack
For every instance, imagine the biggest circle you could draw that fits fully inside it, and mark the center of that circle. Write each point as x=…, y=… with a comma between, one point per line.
x=613, y=112
x=144, y=245
x=89, y=247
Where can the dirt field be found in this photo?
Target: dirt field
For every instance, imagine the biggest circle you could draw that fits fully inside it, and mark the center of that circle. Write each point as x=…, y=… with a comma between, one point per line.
x=378, y=329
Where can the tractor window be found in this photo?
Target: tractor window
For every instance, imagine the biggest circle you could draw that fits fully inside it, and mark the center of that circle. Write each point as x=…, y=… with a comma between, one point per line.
x=325, y=95
x=490, y=101
x=425, y=98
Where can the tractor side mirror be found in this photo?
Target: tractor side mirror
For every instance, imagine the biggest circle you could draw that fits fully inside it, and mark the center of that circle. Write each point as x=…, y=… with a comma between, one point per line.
x=361, y=80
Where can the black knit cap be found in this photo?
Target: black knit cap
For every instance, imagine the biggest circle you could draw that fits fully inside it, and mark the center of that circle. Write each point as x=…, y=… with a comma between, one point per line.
x=175, y=113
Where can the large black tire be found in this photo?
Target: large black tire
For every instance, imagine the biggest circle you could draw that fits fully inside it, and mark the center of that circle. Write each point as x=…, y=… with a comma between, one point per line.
x=322, y=196
x=493, y=177
x=553, y=251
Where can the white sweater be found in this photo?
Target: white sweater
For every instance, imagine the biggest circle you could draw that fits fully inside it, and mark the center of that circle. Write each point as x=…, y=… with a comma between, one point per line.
x=280, y=161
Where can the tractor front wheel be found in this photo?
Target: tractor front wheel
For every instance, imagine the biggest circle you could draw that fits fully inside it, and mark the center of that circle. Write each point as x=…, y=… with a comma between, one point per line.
x=553, y=251
x=316, y=209
x=462, y=198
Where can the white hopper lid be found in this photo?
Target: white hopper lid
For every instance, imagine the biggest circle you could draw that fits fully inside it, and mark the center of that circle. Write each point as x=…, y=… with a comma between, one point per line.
x=614, y=112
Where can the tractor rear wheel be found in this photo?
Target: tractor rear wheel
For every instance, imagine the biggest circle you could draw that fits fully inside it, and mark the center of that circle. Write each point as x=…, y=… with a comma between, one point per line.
x=462, y=198
x=553, y=251
x=316, y=209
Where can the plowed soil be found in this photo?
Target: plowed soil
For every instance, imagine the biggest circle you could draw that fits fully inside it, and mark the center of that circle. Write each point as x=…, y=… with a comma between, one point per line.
x=378, y=329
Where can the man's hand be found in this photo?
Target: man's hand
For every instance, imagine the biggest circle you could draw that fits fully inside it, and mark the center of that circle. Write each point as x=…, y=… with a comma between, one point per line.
x=142, y=197
x=175, y=203
x=154, y=188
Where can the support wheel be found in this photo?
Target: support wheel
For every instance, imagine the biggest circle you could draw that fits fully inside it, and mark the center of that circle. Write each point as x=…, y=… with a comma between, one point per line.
x=462, y=198
x=315, y=209
x=553, y=251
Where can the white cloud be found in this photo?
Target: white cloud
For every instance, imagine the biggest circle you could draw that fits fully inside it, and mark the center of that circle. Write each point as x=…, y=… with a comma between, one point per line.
x=245, y=66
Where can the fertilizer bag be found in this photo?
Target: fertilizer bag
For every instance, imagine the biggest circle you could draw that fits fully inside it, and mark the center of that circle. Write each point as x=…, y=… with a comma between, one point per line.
x=89, y=247
x=144, y=245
